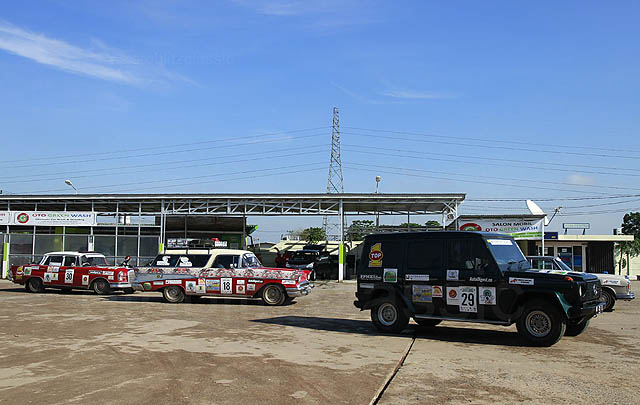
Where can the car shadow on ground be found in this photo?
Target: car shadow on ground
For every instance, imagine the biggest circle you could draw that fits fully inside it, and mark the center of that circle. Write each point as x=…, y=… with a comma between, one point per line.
x=439, y=333
x=49, y=291
x=200, y=301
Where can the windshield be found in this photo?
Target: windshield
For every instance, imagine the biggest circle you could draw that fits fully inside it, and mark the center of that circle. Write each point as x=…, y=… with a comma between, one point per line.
x=94, y=261
x=507, y=254
x=562, y=265
x=180, y=261
x=250, y=260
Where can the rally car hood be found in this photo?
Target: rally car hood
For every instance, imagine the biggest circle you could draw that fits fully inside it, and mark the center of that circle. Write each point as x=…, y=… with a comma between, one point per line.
x=550, y=275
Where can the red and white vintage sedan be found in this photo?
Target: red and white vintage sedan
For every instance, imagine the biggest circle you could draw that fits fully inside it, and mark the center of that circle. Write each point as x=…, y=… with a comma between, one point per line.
x=73, y=270
x=190, y=274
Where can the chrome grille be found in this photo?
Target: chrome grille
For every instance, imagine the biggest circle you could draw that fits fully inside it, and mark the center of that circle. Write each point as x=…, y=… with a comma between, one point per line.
x=592, y=291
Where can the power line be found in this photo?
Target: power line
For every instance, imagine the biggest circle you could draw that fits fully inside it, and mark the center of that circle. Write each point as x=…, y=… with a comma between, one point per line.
x=492, y=140
x=148, y=148
x=493, y=147
x=484, y=159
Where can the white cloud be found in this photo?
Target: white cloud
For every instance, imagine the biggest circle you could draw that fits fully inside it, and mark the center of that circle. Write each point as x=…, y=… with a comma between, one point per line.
x=415, y=94
x=106, y=63
x=580, y=180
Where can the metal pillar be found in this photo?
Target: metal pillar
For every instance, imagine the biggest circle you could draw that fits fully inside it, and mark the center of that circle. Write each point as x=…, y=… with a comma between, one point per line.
x=341, y=246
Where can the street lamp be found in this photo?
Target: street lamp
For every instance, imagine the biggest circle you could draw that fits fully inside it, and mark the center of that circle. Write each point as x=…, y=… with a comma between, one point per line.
x=70, y=184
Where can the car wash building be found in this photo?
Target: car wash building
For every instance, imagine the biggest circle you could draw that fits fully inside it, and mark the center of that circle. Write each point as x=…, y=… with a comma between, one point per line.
x=582, y=252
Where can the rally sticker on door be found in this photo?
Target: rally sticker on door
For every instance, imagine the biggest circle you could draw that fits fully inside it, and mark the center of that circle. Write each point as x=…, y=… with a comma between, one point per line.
x=375, y=255
x=468, y=302
x=421, y=293
x=452, y=296
x=390, y=275
x=190, y=286
x=226, y=286
x=85, y=279
x=487, y=295
x=68, y=276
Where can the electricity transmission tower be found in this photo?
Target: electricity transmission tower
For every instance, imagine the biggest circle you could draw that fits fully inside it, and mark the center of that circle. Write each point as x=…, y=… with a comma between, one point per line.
x=334, y=181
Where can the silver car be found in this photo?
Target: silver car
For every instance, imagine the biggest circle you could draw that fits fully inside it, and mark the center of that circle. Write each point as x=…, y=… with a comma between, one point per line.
x=613, y=287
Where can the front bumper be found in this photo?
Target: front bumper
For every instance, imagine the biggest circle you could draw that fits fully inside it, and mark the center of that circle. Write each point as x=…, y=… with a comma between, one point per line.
x=299, y=291
x=587, y=310
x=624, y=296
x=120, y=285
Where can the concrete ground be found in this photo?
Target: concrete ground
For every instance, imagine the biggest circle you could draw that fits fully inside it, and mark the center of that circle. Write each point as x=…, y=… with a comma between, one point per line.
x=84, y=348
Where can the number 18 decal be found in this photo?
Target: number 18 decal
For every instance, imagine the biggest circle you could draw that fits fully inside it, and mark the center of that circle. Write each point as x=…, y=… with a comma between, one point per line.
x=68, y=276
x=226, y=286
x=468, y=299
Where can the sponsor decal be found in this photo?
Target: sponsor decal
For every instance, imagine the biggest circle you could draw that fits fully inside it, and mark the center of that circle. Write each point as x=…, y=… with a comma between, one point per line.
x=213, y=285
x=110, y=278
x=158, y=283
x=468, y=299
x=49, y=277
x=22, y=218
x=452, y=296
x=437, y=291
x=239, y=288
x=251, y=287
x=107, y=273
x=190, y=286
x=146, y=286
x=68, y=276
x=487, y=295
x=53, y=268
x=95, y=272
x=85, y=279
x=178, y=282
x=416, y=277
x=452, y=275
x=226, y=285
x=367, y=285
x=421, y=293
x=252, y=280
x=500, y=242
x=375, y=255
x=390, y=275
x=604, y=282
x=520, y=281
x=481, y=279
x=288, y=282
x=184, y=262
x=242, y=281
x=201, y=289
x=201, y=281
x=18, y=276
x=27, y=271
x=370, y=277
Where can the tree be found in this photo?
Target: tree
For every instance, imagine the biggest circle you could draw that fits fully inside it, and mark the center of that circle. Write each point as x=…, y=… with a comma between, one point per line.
x=630, y=226
x=409, y=225
x=433, y=224
x=360, y=228
x=313, y=235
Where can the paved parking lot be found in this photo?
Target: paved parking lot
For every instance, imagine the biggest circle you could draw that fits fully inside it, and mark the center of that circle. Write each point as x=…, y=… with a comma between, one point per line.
x=82, y=348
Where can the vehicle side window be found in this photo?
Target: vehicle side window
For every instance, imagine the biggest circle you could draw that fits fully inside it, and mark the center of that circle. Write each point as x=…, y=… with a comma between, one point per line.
x=54, y=261
x=469, y=256
x=425, y=257
x=226, y=261
x=70, y=261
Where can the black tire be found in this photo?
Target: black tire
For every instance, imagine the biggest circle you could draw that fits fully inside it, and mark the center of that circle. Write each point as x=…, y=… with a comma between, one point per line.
x=34, y=285
x=173, y=294
x=541, y=323
x=609, y=299
x=101, y=286
x=577, y=328
x=274, y=295
x=428, y=323
x=128, y=290
x=390, y=316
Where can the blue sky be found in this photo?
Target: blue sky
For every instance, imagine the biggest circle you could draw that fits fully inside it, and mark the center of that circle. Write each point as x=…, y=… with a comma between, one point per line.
x=494, y=99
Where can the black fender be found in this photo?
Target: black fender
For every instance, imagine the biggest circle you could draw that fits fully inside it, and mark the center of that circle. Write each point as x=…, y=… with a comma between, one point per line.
x=382, y=292
x=554, y=297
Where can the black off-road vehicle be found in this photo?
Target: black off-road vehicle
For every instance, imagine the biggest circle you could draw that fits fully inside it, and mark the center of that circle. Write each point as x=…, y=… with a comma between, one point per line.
x=470, y=277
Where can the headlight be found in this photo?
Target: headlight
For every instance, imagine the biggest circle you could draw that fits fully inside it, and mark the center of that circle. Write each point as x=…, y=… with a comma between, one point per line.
x=580, y=291
x=310, y=266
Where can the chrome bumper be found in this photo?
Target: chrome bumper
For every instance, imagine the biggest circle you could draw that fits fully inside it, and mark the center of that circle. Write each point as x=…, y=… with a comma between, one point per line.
x=120, y=285
x=299, y=291
x=624, y=296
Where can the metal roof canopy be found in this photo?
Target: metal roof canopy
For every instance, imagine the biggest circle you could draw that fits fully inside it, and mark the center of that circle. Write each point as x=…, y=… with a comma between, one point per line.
x=239, y=204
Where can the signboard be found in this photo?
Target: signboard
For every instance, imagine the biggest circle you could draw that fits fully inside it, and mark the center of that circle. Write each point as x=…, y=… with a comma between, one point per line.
x=52, y=218
x=584, y=225
x=518, y=228
x=5, y=217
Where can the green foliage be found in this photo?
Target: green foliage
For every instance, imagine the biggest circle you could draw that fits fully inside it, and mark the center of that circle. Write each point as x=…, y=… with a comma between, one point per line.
x=360, y=228
x=630, y=226
x=313, y=235
x=410, y=225
x=433, y=224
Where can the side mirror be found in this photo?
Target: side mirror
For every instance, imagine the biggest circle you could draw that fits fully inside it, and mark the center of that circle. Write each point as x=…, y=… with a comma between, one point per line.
x=469, y=265
x=125, y=262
